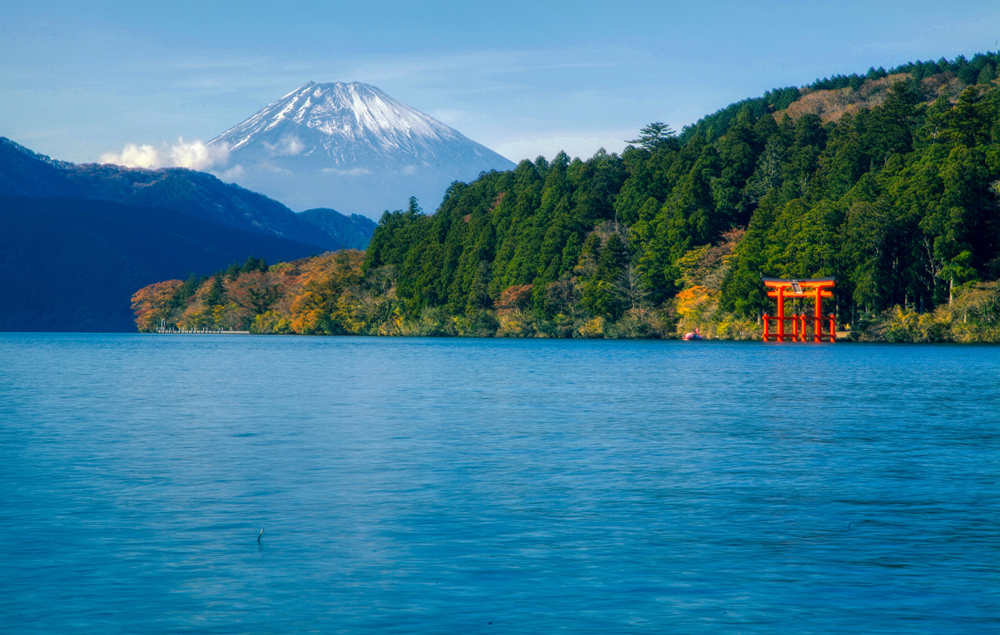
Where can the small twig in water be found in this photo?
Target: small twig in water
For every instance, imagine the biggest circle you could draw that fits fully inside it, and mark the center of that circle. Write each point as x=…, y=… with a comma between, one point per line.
x=260, y=534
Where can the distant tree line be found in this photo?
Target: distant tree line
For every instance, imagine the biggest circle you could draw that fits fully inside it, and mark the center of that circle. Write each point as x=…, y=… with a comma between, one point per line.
x=981, y=69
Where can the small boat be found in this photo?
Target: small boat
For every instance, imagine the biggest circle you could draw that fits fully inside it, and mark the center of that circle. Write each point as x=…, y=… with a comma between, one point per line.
x=693, y=335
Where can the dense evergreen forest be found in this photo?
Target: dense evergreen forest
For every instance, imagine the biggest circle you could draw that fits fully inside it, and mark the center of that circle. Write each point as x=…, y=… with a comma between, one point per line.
x=889, y=181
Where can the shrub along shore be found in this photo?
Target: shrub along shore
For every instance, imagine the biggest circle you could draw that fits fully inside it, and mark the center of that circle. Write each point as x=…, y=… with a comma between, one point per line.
x=331, y=295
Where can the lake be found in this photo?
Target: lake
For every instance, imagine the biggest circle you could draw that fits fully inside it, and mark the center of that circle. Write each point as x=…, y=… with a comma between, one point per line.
x=496, y=486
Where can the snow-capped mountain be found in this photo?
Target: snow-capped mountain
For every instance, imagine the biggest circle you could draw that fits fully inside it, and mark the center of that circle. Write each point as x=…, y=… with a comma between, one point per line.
x=350, y=147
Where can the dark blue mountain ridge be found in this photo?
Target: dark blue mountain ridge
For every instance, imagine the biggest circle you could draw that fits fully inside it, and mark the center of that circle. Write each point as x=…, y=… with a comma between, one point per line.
x=353, y=232
x=76, y=241
x=198, y=194
x=70, y=264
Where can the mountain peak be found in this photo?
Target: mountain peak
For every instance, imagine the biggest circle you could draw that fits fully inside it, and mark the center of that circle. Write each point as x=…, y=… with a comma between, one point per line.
x=343, y=144
x=354, y=113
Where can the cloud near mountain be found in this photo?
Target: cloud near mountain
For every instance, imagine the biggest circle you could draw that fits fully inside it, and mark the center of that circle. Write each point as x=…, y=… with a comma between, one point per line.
x=288, y=145
x=194, y=155
x=345, y=146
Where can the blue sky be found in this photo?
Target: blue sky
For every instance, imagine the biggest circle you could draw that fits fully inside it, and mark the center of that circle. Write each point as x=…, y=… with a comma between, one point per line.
x=524, y=78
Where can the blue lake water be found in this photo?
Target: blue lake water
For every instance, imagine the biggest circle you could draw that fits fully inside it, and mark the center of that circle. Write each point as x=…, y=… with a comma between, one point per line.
x=496, y=486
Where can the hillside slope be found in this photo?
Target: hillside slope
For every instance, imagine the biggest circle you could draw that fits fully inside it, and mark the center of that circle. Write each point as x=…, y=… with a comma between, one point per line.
x=72, y=265
x=351, y=232
x=832, y=97
x=24, y=173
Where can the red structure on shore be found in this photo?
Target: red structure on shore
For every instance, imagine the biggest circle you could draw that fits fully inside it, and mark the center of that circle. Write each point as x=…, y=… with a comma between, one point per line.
x=783, y=289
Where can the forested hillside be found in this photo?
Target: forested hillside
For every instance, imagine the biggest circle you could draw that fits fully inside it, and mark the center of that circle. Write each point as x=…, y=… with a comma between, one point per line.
x=888, y=182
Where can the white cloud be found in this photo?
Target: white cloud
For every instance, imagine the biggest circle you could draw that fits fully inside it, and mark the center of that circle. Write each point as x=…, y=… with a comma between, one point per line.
x=410, y=169
x=233, y=174
x=287, y=146
x=194, y=155
x=198, y=156
x=134, y=156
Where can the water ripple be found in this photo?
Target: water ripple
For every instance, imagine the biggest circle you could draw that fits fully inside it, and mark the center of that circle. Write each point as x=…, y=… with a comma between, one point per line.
x=486, y=485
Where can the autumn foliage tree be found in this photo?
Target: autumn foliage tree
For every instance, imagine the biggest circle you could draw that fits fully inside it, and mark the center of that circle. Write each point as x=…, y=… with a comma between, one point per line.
x=324, y=304
x=153, y=303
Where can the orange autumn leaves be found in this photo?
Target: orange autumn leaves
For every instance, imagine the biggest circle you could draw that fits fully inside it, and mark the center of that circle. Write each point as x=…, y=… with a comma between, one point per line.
x=320, y=295
x=152, y=303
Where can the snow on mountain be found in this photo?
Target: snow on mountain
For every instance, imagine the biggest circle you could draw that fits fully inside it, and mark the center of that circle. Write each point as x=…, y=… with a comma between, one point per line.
x=353, y=148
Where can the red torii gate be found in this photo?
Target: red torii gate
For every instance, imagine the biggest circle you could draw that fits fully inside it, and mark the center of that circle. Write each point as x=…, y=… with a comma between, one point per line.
x=782, y=289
